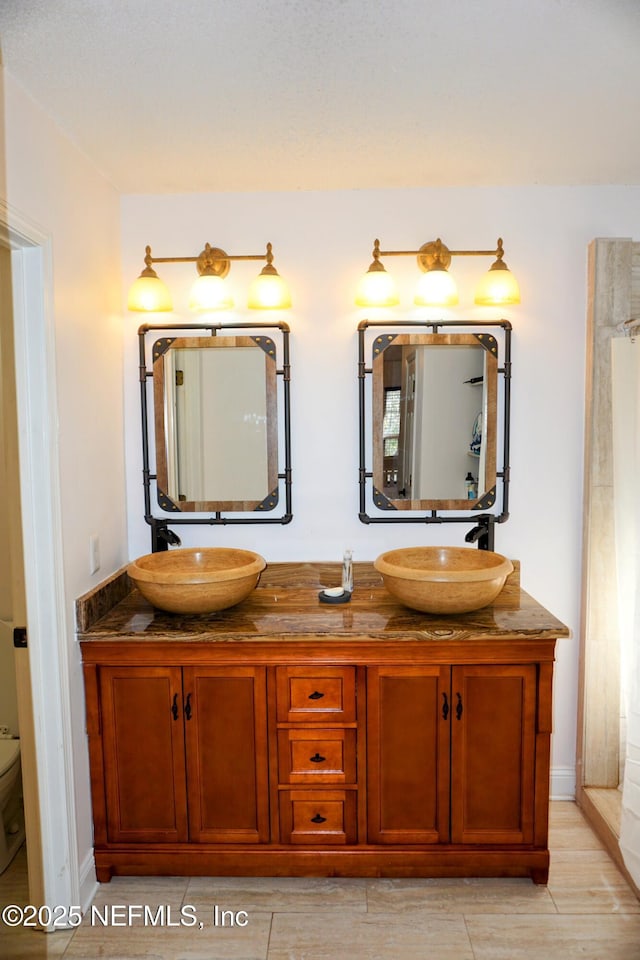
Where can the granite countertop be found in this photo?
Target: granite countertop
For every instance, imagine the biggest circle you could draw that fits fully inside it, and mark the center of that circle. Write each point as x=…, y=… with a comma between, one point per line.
x=285, y=605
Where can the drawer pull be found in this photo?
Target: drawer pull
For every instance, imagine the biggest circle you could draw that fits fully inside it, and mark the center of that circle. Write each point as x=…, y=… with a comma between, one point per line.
x=316, y=695
x=187, y=709
x=174, y=706
x=318, y=819
x=317, y=758
x=445, y=706
x=458, y=707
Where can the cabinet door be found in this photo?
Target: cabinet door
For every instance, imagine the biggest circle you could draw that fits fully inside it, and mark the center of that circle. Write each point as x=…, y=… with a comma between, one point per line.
x=408, y=725
x=226, y=739
x=144, y=764
x=493, y=753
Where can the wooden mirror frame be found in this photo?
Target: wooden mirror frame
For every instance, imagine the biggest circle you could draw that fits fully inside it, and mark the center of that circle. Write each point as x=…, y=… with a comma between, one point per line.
x=278, y=379
x=486, y=495
x=498, y=410
x=167, y=499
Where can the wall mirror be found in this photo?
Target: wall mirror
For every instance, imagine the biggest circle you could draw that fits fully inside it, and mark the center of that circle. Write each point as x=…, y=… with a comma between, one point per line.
x=438, y=409
x=219, y=431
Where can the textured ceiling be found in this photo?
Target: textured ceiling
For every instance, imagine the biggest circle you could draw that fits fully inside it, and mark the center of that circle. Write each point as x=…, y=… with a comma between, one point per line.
x=199, y=95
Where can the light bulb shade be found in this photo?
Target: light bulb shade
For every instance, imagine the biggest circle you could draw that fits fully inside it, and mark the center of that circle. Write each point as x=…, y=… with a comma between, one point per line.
x=210, y=292
x=497, y=287
x=436, y=288
x=149, y=294
x=269, y=291
x=377, y=288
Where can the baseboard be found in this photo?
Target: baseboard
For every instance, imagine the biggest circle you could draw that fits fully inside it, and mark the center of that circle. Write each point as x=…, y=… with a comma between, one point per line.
x=88, y=882
x=563, y=783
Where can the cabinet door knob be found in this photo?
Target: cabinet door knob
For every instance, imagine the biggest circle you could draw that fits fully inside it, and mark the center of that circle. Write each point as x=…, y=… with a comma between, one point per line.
x=318, y=819
x=174, y=706
x=445, y=706
x=187, y=707
x=458, y=707
x=317, y=758
x=316, y=695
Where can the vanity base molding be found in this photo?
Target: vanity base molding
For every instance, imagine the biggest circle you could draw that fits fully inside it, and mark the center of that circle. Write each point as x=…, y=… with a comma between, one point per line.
x=349, y=862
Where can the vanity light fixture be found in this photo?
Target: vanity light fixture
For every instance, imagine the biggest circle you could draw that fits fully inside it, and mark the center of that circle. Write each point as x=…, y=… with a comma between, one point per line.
x=437, y=288
x=209, y=292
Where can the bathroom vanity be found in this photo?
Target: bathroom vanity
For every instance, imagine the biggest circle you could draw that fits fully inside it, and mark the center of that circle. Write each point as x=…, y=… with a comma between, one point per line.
x=285, y=737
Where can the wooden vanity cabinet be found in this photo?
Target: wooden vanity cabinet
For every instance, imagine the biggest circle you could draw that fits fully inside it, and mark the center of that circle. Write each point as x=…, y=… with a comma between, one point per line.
x=403, y=769
x=317, y=733
x=408, y=754
x=183, y=754
x=144, y=754
x=282, y=738
x=451, y=754
x=493, y=753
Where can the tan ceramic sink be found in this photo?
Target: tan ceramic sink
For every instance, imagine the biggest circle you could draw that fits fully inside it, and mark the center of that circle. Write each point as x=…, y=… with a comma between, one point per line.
x=197, y=579
x=443, y=579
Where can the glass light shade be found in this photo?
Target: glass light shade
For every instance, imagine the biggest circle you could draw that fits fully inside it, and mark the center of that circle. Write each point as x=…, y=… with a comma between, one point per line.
x=436, y=288
x=377, y=288
x=149, y=294
x=497, y=287
x=210, y=292
x=269, y=292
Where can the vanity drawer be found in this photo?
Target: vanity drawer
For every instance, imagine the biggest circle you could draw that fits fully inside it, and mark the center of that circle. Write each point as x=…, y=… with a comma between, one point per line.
x=316, y=694
x=317, y=756
x=318, y=816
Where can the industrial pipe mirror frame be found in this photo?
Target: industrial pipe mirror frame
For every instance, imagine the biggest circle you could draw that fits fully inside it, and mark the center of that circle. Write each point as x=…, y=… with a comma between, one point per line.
x=153, y=350
x=487, y=506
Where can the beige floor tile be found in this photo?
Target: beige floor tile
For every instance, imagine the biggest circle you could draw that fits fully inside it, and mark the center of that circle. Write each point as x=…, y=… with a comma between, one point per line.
x=588, y=881
x=555, y=938
x=249, y=942
x=144, y=890
x=281, y=894
x=464, y=895
x=14, y=887
x=568, y=829
x=23, y=944
x=368, y=937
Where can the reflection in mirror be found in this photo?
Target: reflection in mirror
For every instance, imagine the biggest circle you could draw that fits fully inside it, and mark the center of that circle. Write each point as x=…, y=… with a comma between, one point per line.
x=434, y=421
x=216, y=423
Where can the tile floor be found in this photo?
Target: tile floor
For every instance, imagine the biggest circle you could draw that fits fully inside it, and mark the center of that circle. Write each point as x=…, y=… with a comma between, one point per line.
x=587, y=912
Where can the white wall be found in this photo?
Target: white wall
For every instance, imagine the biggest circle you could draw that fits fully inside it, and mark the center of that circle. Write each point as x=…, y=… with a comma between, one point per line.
x=51, y=184
x=322, y=243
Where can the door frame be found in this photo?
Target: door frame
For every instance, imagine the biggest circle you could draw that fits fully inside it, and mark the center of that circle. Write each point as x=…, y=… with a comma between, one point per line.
x=55, y=859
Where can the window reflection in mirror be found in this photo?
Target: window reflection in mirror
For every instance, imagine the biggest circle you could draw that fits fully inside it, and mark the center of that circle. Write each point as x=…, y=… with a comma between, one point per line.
x=216, y=423
x=434, y=421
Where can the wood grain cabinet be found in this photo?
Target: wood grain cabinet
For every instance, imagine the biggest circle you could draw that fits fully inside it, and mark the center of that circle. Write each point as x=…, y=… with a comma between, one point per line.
x=384, y=744
x=183, y=755
x=451, y=754
x=317, y=738
x=367, y=758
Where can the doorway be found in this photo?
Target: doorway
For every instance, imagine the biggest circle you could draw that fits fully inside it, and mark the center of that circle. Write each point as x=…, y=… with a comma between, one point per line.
x=44, y=712
x=12, y=594
x=614, y=298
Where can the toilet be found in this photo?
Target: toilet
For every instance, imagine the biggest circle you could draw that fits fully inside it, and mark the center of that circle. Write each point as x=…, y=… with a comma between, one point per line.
x=11, y=812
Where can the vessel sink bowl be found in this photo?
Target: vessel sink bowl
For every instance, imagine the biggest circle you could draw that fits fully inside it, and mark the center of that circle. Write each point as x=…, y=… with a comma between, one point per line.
x=196, y=579
x=443, y=579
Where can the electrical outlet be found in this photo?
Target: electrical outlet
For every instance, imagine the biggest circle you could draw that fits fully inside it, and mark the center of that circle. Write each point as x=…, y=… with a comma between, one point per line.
x=94, y=553
x=4, y=731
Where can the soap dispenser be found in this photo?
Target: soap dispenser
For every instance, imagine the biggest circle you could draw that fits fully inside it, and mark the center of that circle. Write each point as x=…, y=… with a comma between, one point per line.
x=343, y=593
